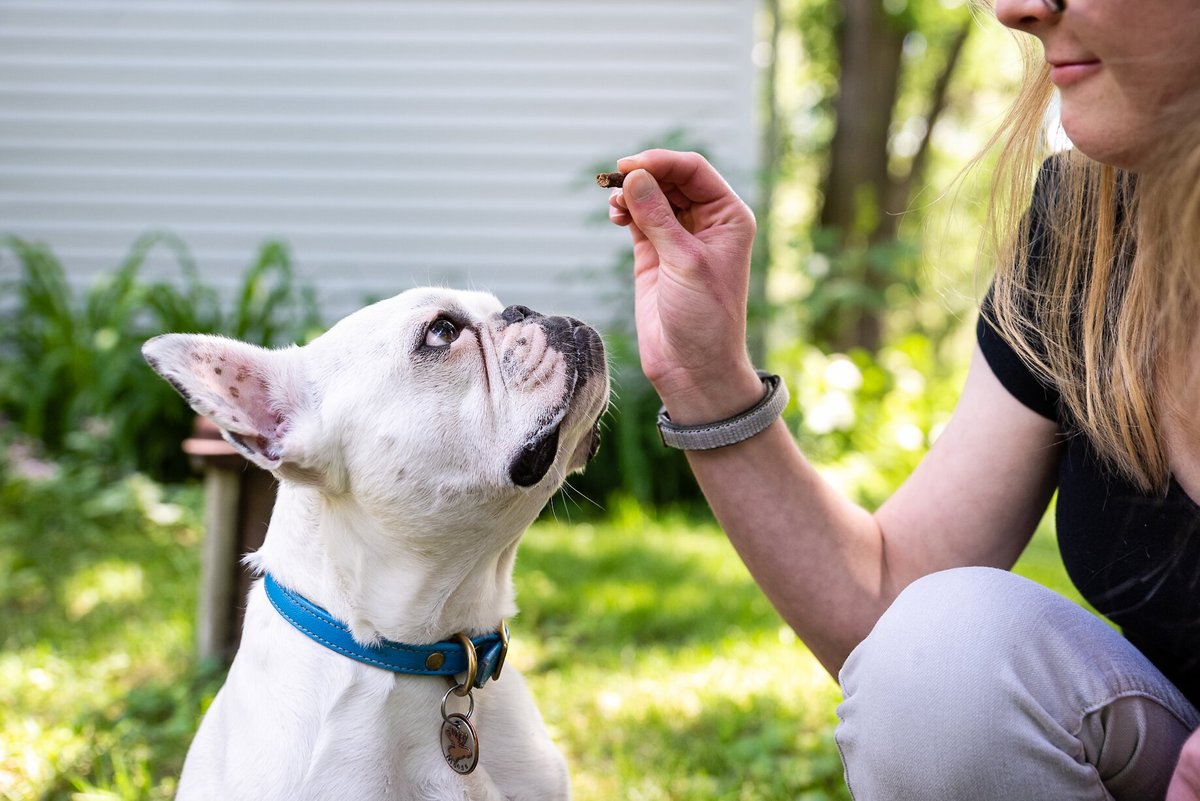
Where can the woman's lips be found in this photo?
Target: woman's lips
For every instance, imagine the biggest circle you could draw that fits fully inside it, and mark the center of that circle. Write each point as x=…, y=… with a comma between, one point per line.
x=1067, y=73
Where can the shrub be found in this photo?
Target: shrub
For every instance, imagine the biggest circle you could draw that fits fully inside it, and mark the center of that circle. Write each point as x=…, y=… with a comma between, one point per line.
x=71, y=363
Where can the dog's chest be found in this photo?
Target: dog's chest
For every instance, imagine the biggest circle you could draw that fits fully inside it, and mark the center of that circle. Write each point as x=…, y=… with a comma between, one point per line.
x=365, y=739
x=392, y=748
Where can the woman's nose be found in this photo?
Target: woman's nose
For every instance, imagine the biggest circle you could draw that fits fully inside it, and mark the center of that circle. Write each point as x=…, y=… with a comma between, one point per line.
x=1022, y=15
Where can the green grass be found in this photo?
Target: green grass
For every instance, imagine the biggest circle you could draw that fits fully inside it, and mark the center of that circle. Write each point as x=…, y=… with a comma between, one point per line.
x=660, y=669
x=98, y=695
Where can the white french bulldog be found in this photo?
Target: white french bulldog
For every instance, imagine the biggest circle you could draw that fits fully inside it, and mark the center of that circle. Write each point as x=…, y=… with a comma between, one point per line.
x=414, y=442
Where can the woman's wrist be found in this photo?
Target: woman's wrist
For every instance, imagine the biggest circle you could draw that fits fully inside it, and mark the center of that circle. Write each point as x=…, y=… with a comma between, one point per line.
x=698, y=399
x=731, y=430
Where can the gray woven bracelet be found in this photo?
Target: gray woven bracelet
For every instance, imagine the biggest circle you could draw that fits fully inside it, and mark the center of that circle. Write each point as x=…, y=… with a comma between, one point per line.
x=707, y=436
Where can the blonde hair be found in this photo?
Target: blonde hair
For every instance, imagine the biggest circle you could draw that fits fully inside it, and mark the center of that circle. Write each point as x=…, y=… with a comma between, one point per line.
x=1111, y=313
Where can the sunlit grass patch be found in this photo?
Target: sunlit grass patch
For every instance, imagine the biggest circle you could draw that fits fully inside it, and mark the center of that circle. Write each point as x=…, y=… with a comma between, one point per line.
x=688, y=685
x=99, y=693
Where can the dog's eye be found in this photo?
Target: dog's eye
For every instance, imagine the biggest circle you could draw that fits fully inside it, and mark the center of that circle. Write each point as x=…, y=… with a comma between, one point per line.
x=441, y=333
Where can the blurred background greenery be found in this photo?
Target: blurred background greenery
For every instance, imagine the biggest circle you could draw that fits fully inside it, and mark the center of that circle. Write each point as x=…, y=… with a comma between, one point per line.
x=659, y=667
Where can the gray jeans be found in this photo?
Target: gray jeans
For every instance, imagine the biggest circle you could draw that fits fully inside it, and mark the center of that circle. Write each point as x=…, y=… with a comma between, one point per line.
x=978, y=684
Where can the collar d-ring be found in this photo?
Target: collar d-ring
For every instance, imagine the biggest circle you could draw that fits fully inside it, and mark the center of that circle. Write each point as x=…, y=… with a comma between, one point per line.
x=503, y=632
x=472, y=665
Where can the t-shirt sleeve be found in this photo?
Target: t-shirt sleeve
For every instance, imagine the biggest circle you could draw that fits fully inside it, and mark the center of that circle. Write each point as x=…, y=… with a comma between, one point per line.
x=1014, y=374
x=1023, y=383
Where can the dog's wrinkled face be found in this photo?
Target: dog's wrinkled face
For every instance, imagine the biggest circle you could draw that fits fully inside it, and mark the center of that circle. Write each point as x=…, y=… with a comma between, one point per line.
x=429, y=400
x=474, y=396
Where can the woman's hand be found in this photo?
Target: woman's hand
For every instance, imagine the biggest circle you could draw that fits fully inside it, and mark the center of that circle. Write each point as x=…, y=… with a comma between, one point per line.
x=692, y=237
x=1185, y=783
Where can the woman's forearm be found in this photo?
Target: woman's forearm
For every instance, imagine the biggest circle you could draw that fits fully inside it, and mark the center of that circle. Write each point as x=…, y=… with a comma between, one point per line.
x=816, y=555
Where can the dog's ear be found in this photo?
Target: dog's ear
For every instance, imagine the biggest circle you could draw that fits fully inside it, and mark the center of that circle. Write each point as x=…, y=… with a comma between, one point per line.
x=256, y=396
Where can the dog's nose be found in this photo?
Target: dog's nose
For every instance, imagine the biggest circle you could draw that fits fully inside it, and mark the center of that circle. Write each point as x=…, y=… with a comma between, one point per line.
x=515, y=314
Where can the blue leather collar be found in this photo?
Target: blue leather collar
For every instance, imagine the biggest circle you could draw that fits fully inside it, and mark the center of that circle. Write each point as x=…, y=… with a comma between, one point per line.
x=446, y=658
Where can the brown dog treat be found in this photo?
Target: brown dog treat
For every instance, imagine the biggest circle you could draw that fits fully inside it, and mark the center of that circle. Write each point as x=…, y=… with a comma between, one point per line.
x=611, y=180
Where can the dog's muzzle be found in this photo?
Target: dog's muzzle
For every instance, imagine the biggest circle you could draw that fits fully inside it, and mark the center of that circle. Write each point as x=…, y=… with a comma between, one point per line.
x=584, y=352
x=578, y=341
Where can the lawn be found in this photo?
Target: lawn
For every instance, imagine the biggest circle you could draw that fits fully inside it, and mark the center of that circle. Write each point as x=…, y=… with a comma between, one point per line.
x=660, y=669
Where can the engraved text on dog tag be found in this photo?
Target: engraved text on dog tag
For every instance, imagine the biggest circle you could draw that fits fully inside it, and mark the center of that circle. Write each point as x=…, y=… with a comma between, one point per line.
x=460, y=743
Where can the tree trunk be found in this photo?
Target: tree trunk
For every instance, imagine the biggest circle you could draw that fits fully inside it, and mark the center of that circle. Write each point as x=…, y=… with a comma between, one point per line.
x=772, y=146
x=870, y=46
x=902, y=188
x=862, y=200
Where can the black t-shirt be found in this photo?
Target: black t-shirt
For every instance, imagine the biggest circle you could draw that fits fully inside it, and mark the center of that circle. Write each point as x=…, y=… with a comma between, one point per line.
x=1134, y=557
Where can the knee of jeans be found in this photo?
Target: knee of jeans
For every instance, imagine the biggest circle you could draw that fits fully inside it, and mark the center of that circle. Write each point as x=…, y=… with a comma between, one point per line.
x=937, y=662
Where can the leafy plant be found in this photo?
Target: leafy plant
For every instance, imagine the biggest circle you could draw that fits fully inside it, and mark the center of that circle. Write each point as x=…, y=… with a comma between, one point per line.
x=865, y=419
x=71, y=363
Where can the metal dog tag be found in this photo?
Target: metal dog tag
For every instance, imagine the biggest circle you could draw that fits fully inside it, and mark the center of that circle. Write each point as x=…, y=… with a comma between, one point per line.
x=460, y=743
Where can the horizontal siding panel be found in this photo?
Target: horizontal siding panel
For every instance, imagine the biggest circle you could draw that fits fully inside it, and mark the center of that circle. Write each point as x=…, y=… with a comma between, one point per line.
x=53, y=158
x=104, y=94
x=414, y=58
x=585, y=141
x=387, y=142
x=430, y=193
x=399, y=17
x=386, y=70
x=299, y=188
x=350, y=12
x=237, y=215
x=423, y=247
x=318, y=122
x=478, y=34
x=97, y=257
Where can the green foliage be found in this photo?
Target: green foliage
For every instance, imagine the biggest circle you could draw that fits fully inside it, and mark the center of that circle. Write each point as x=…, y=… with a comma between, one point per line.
x=864, y=419
x=71, y=363
x=867, y=420
x=851, y=280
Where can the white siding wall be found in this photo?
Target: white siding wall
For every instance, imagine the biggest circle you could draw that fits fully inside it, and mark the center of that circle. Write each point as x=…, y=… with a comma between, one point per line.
x=390, y=143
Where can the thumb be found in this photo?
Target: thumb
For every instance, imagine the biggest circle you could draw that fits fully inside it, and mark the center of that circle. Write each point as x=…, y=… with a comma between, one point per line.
x=653, y=215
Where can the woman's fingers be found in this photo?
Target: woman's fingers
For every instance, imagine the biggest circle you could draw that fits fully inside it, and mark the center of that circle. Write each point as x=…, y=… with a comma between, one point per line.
x=654, y=216
x=685, y=178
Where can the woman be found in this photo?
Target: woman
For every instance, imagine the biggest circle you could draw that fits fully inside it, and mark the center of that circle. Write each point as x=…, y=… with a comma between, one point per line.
x=962, y=681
